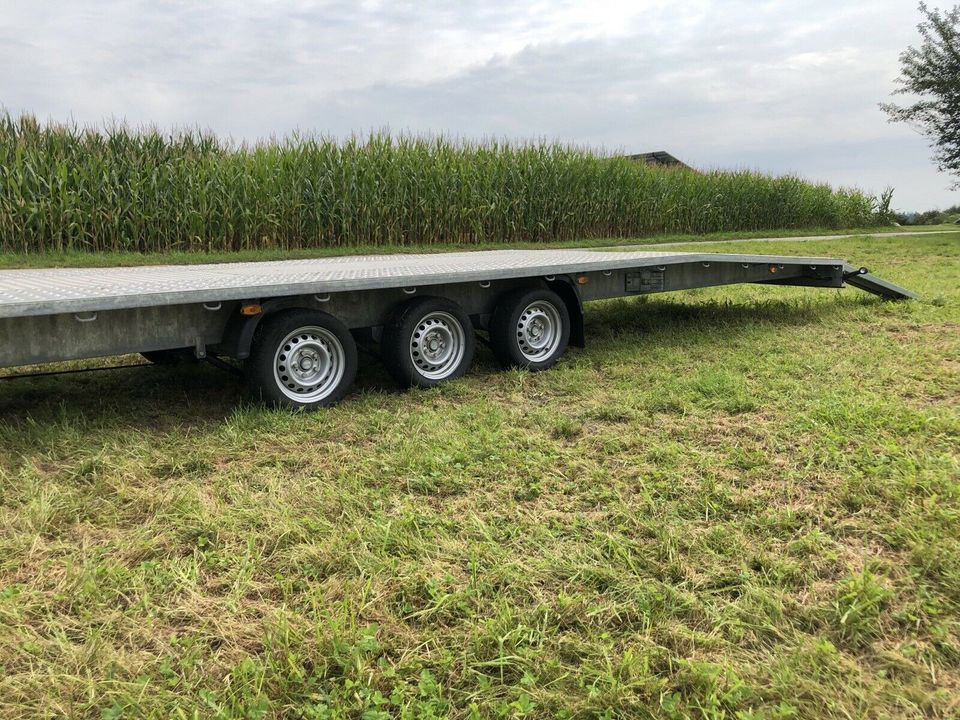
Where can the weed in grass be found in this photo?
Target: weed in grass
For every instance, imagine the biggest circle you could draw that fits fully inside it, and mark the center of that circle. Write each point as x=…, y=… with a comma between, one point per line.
x=857, y=607
x=722, y=390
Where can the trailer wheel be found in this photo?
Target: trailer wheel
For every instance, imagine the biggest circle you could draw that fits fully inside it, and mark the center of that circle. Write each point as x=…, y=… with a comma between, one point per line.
x=530, y=328
x=427, y=341
x=302, y=359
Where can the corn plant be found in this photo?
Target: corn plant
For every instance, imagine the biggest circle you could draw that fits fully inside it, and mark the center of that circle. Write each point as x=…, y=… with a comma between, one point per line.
x=68, y=188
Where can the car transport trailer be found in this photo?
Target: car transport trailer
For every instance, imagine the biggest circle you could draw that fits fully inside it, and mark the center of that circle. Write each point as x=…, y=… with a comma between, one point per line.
x=295, y=323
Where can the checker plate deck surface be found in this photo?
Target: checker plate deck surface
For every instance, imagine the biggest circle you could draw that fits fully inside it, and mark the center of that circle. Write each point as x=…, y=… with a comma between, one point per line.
x=71, y=290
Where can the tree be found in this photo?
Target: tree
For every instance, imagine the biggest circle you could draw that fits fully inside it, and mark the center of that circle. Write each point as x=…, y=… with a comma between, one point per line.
x=931, y=72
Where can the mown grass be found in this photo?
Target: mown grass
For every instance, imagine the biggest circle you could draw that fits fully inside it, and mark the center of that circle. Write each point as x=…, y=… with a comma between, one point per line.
x=737, y=502
x=70, y=189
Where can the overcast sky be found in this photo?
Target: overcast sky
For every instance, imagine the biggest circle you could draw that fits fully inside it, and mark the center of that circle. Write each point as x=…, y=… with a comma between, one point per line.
x=782, y=86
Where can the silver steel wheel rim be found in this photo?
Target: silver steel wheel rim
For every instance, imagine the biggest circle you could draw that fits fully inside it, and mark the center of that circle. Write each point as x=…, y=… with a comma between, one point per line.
x=437, y=345
x=309, y=364
x=539, y=329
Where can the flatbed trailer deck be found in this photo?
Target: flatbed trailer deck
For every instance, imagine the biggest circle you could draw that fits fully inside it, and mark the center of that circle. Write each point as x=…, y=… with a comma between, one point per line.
x=295, y=322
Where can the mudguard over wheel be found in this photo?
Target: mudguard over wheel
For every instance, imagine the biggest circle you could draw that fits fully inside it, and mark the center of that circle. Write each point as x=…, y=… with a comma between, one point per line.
x=427, y=341
x=302, y=359
x=530, y=328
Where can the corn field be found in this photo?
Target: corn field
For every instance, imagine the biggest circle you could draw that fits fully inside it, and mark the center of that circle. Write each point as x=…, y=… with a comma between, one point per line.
x=67, y=188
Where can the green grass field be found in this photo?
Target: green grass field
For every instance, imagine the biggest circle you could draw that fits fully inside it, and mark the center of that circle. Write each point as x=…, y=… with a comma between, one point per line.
x=734, y=503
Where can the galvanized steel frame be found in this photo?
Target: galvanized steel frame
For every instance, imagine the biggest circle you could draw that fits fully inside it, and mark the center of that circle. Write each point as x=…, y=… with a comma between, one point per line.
x=62, y=314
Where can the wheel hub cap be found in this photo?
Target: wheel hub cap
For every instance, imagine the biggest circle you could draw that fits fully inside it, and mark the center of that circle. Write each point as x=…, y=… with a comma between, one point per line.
x=437, y=345
x=539, y=330
x=309, y=364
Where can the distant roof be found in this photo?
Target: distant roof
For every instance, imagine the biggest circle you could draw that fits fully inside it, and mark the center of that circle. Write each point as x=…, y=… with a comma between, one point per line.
x=660, y=157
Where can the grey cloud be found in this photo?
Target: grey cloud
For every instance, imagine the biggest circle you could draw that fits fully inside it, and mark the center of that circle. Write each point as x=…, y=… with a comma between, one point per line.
x=781, y=86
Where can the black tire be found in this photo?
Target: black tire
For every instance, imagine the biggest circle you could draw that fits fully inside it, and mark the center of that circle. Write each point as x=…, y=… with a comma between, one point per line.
x=515, y=320
x=169, y=357
x=304, y=349
x=428, y=319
